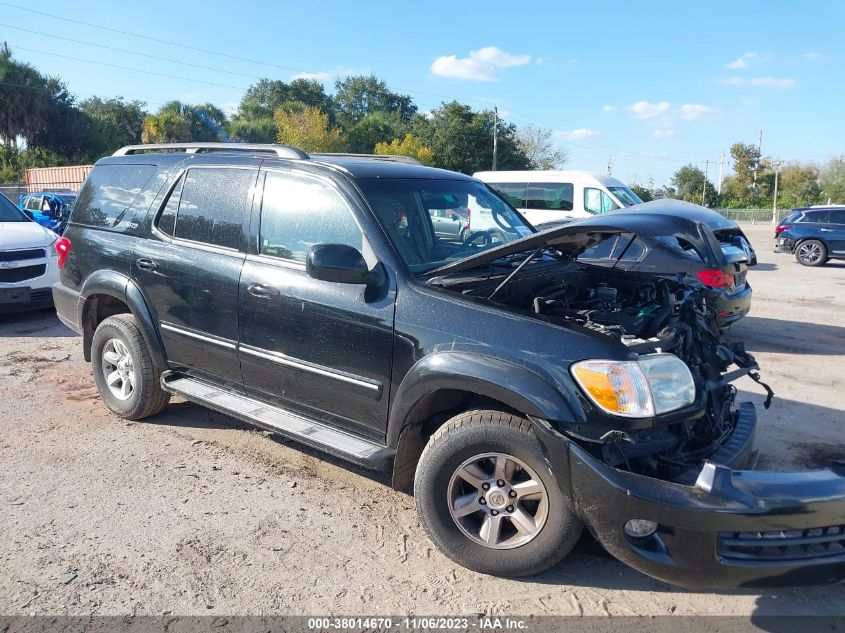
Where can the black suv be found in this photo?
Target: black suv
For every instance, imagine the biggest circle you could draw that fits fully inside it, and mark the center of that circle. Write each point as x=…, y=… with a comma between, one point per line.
x=522, y=393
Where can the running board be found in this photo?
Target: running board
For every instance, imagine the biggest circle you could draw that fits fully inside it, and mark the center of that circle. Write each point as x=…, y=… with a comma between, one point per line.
x=272, y=418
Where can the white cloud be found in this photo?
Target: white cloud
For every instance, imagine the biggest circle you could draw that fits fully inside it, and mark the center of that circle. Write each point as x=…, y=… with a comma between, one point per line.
x=742, y=61
x=663, y=132
x=578, y=133
x=812, y=56
x=539, y=61
x=608, y=108
x=647, y=110
x=692, y=111
x=773, y=82
x=339, y=72
x=481, y=65
x=733, y=81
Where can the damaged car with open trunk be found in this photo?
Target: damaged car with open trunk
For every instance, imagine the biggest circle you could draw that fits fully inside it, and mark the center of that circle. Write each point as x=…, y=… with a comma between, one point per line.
x=522, y=394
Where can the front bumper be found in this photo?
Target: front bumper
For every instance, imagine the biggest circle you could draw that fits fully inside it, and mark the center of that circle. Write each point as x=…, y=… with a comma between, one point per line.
x=729, y=528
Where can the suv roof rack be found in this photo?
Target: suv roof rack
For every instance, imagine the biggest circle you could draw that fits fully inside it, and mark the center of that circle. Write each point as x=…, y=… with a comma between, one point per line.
x=394, y=158
x=281, y=151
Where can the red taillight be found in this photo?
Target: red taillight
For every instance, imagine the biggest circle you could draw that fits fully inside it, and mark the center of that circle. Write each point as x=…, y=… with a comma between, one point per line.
x=780, y=228
x=62, y=250
x=715, y=278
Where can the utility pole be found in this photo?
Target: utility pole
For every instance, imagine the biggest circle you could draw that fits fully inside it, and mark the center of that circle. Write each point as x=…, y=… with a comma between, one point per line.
x=757, y=163
x=609, y=163
x=721, y=162
x=704, y=188
x=775, y=205
x=495, y=135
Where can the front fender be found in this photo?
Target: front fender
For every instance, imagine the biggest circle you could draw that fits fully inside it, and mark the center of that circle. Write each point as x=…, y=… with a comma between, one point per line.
x=515, y=385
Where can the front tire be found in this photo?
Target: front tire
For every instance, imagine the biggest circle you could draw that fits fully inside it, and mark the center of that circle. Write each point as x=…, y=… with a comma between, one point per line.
x=811, y=253
x=124, y=372
x=487, y=500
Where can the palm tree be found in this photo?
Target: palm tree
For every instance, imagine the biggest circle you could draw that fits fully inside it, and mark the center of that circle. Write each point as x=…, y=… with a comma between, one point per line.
x=23, y=99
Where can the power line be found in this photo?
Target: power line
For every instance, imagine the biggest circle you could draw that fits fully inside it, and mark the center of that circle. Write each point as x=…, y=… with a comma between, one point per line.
x=137, y=70
x=123, y=50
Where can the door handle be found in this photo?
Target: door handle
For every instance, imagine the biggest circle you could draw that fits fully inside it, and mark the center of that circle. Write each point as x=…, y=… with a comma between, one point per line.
x=262, y=292
x=146, y=264
x=826, y=230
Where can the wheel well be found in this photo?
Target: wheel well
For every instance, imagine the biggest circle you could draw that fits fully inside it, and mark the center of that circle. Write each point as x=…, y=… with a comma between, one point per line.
x=430, y=413
x=96, y=309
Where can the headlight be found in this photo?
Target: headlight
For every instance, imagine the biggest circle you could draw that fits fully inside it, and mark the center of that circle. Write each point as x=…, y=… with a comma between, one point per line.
x=655, y=384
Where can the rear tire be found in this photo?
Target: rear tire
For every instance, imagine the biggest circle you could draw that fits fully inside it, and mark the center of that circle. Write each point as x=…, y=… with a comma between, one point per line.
x=530, y=524
x=124, y=372
x=811, y=253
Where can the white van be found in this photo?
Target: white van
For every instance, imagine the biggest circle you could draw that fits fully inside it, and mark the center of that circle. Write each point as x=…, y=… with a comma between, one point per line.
x=552, y=196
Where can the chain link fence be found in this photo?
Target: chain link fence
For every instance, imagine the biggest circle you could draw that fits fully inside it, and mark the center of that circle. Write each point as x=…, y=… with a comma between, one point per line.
x=753, y=215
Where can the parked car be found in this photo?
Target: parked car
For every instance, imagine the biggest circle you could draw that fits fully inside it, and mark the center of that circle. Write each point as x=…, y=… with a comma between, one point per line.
x=724, y=269
x=557, y=196
x=522, y=393
x=28, y=261
x=450, y=224
x=813, y=234
x=49, y=209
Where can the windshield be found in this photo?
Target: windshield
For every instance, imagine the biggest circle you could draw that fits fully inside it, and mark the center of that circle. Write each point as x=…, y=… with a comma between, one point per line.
x=625, y=196
x=409, y=210
x=9, y=212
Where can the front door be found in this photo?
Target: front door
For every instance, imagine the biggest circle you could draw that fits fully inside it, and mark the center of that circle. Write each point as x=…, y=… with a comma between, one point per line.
x=833, y=231
x=322, y=348
x=190, y=269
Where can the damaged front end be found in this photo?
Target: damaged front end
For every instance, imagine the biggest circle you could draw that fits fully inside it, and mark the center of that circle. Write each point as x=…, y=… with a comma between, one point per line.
x=672, y=492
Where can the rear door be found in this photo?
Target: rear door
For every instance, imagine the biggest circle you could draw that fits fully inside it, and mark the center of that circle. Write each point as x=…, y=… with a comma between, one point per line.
x=319, y=347
x=833, y=232
x=190, y=268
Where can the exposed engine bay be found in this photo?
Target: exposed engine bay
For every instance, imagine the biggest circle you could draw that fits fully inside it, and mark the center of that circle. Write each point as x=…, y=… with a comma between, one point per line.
x=648, y=314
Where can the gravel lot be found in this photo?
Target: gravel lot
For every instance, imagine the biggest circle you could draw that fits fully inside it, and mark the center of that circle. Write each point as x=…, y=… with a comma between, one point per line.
x=192, y=512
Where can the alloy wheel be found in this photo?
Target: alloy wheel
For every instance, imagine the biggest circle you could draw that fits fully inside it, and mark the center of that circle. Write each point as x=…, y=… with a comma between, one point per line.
x=809, y=253
x=498, y=501
x=118, y=369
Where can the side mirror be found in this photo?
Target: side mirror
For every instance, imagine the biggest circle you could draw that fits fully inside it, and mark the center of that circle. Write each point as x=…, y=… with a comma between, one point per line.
x=341, y=264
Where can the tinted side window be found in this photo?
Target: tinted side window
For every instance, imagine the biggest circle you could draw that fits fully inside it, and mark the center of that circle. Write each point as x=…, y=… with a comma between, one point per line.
x=214, y=204
x=602, y=250
x=297, y=213
x=166, y=222
x=513, y=192
x=633, y=251
x=814, y=216
x=551, y=196
x=108, y=194
x=836, y=217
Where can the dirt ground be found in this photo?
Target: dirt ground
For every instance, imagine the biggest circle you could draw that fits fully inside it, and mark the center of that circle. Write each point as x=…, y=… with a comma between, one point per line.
x=192, y=512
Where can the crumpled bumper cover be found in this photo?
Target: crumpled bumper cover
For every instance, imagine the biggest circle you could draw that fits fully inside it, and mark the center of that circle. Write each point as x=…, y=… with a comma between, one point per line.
x=730, y=528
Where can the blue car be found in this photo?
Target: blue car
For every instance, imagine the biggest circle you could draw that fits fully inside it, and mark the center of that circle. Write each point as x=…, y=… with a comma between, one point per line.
x=48, y=209
x=813, y=234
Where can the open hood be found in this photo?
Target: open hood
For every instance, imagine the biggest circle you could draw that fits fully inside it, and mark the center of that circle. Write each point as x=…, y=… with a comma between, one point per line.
x=574, y=238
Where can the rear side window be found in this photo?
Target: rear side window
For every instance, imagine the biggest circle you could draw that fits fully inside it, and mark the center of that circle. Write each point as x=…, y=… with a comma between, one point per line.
x=513, y=192
x=836, y=216
x=549, y=196
x=297, y=213
x=108, y=194
x=213, y=204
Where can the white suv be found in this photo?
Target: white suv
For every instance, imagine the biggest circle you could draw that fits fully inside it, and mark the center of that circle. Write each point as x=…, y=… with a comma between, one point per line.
x=28, y=266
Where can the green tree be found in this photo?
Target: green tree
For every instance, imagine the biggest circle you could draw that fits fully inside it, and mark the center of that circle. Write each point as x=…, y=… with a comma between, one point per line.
x=538, y=146
x=375, y=128
x=178, y=122
x=357, y=96
x=832, y=181
x=798, y=186
x=689, y=184
x=23, y=100
x=462, y=140
x=408, y=146
x=254, y=121
x=115, y=123
x=308, y=129
x=738, y=188
x=646, y=194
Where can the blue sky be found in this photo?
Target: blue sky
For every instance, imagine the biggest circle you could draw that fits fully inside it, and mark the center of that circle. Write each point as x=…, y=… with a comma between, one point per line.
x=656, y=85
